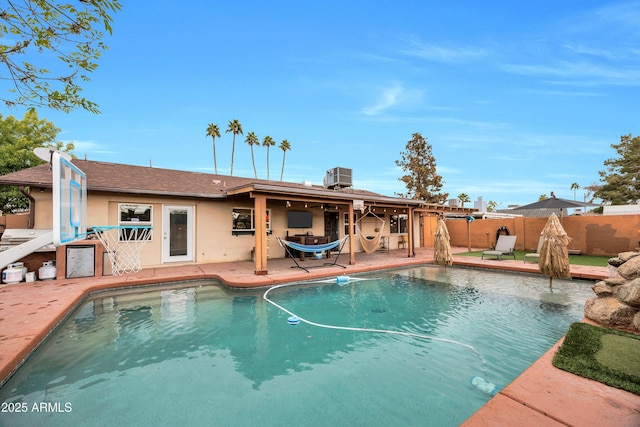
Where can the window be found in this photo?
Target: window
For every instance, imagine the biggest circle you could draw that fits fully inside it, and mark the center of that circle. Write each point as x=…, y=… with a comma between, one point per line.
x=398, y=223
x=346, y=224
x=134, y=214
x=244, y=219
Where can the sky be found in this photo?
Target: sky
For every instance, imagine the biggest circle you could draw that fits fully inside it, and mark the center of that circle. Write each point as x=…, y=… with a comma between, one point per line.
x=516, y=99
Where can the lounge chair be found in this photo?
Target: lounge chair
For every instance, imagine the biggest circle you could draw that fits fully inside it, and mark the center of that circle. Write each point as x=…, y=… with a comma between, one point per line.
x=534, y=256
x=504, y=247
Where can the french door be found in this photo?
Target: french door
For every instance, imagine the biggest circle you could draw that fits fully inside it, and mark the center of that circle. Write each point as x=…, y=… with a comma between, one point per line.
x=177, y=233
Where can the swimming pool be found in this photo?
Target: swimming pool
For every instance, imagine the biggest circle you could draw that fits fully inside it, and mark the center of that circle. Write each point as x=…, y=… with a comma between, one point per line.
x=202, y=354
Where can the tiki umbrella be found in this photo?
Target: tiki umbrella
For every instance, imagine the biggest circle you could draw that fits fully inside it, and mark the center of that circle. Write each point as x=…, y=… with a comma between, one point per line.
x=442, y=247
x=554, y=256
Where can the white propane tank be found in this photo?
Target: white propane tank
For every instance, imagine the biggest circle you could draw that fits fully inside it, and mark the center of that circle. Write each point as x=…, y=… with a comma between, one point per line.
x=11, y=274
x=22, y=268
x=47, y=271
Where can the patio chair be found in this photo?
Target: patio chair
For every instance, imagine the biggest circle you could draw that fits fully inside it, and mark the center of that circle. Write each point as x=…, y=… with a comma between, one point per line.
x=534, y=256
x=504, y=247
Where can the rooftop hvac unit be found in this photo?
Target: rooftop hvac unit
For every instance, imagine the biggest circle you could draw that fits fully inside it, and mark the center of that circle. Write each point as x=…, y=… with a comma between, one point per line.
x=338, y=178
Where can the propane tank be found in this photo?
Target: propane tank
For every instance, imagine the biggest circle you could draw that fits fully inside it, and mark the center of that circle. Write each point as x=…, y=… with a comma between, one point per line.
x=22, y=268
x=47, y=271
x=11, y=274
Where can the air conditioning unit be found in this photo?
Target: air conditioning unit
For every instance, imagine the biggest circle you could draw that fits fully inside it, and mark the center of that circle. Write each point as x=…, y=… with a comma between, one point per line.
x=338, y=178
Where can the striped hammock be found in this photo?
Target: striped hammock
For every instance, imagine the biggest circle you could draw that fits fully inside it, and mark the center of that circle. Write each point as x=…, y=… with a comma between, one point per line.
x=313, y=248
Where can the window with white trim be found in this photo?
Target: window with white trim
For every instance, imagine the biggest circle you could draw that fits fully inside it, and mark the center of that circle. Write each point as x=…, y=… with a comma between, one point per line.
x=346, y=224
x=134, y=214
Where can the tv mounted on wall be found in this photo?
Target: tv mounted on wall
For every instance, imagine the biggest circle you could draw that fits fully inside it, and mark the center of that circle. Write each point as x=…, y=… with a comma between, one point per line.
x=300, y=219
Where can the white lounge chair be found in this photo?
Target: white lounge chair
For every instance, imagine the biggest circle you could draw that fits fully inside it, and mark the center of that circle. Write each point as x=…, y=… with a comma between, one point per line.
x=534, y=256
x=504, y=247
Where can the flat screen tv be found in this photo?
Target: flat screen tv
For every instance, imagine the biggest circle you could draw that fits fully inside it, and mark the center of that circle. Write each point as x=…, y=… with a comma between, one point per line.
x=299, y=219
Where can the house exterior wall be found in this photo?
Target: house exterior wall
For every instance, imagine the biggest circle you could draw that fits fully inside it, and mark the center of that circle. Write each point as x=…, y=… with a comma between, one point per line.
x=214, y=238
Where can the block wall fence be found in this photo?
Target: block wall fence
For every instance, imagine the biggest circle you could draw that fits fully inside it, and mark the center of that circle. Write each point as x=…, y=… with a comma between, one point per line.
x=591, y=234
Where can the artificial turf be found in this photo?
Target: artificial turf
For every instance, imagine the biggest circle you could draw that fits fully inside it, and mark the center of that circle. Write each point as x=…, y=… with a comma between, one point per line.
x=592, y=260
x=605, y=355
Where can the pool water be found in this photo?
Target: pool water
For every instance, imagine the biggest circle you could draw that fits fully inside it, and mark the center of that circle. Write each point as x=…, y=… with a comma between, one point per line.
x=202, y=354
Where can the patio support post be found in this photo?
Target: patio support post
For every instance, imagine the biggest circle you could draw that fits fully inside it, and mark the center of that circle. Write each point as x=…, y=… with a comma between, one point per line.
x=352, y=241
x=260, y=209
x=410, y=239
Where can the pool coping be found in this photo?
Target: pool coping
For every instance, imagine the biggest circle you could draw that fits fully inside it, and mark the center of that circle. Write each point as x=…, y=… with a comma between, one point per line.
x=542, y=394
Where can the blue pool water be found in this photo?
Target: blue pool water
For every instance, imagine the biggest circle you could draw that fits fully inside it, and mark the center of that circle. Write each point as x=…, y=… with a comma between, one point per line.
x=202, y=354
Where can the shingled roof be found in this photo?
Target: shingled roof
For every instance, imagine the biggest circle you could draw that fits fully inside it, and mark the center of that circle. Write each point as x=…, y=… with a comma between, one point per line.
x=121, y=178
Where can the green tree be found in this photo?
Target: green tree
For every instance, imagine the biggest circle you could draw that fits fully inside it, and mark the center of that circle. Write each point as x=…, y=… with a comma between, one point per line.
x=575, y=187
x=40, y=30
x=214, y=132
x=621, y=180
x=236, y=128
x=421, y=179
x=268, y=142
x=284, y=146
x=252, y=139
x=464, y=198
x=18, y=138
x=542, y=197
x=492, y=206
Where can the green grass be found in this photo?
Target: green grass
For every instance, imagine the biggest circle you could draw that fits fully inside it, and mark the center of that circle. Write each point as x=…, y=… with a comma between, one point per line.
x=605, y=355
x=595, y=261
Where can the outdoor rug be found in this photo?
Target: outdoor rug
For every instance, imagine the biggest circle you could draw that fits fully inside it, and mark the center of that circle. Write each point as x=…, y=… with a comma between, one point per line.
x=605, y=355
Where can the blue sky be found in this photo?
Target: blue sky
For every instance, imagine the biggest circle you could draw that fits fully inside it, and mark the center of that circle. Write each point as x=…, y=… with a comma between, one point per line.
x=517, y=99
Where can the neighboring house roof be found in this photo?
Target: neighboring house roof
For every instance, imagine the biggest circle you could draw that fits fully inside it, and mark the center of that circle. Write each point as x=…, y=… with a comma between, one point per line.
x=141, y=180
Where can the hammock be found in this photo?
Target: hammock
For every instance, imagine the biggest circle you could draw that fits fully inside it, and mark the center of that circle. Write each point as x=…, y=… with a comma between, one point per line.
x=287, y=245
x=370, y=245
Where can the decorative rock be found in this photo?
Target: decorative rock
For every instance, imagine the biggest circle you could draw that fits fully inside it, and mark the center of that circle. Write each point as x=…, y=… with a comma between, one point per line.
x=609, y=311
x=630, y=293
x=618, y=297
x=636, y=321
x=626, y=256
x=631, y=269
x=601, y=289
x=615, y=281
x=616, y=262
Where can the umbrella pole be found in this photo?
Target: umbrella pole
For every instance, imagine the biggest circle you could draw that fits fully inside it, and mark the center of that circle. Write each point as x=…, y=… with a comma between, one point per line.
x=550, y=282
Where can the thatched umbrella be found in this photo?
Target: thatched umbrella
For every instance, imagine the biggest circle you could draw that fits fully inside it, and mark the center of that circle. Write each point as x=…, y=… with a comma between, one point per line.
x=554, y=256
x=442, y=248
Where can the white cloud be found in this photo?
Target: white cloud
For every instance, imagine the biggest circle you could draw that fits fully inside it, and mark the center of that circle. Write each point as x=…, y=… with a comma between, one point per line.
x=447, y=54
x=83, y=148
x=586, y=72
x=389, y=97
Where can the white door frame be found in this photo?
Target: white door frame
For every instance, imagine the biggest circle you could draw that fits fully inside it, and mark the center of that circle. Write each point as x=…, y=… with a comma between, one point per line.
x=166, y=233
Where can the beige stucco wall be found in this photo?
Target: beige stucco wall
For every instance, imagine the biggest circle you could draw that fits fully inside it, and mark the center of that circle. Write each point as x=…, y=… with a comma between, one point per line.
x=214, y=240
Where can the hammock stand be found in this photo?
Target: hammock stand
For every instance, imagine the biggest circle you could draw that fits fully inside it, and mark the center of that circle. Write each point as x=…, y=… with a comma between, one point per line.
x=370, y=245
x=287, y=245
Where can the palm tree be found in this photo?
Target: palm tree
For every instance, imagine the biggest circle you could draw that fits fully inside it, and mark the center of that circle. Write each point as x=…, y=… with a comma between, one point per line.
x=214, y=132
x=236, y=128
x=268, y=142
x=574, y=187
x=464, y=198
x=284, y=146
x=252, y=139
